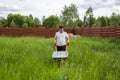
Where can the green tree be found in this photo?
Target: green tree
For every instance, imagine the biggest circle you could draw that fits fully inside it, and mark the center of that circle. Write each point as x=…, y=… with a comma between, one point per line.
x=9, y=19
x=51, y=21
x=108, y=21
x=25, y=25
x=37, y=22
x=12, y=24
x=85, y=21
x=97, y=22
x=115, y=20
x=69, y=16
x=31, y=16
x=3, y=23
x=17, y=18
x=89, y=19
x=30, y=22
x=79, y=23
x=103, y=21
x=20, y=21
x=43, y=19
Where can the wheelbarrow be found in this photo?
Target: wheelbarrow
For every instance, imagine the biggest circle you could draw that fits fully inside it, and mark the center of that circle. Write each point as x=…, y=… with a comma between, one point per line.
x=60, y=56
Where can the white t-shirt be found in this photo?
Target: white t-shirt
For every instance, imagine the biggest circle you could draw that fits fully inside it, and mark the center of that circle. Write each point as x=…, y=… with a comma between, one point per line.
x=61, y=38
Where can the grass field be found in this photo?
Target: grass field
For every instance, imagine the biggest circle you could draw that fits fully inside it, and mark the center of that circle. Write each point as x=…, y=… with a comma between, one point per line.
x=29, y=58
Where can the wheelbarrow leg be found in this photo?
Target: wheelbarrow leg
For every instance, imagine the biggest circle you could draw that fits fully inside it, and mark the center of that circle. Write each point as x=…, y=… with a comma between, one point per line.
x=61, y=62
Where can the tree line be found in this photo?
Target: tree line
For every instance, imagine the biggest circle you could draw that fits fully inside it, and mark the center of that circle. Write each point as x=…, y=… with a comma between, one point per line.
x=69, y=18
x=19, y=21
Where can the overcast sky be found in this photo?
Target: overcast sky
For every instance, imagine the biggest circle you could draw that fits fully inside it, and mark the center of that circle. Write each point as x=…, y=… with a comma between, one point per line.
x=40, y=8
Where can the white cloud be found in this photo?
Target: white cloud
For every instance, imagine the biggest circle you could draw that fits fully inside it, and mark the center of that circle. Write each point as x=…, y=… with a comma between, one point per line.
x=4, y=7
x=40, y=8
x=95, y=4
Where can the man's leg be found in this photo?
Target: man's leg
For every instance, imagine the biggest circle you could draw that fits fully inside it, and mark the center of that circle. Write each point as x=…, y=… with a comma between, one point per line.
x=58, y=48
x=59, y=59
x=63, y=48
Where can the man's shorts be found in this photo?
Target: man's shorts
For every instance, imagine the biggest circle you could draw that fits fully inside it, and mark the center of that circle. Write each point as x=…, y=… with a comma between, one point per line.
x=61, y=48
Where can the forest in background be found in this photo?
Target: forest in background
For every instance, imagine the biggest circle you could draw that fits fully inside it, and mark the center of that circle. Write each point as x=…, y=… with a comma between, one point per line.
x=69, y=18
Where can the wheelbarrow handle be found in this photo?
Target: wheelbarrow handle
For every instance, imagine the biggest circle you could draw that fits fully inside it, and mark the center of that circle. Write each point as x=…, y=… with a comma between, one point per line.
x=66, y=48
x=55, y=48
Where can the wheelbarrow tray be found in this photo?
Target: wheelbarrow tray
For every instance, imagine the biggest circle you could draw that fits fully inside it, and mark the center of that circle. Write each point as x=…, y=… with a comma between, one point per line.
x=60, y=54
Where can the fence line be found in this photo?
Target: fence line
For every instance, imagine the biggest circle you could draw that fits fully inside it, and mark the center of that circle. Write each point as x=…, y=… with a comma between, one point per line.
x=110, y=31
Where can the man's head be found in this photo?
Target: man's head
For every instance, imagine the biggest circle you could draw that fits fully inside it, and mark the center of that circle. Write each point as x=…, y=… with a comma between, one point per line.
x=61, y=29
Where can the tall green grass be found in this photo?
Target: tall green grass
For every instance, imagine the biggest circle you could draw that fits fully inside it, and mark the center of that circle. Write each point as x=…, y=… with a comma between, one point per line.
x=29, y=58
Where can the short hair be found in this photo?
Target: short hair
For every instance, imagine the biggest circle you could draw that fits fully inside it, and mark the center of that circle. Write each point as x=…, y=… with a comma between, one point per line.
x=61, y=27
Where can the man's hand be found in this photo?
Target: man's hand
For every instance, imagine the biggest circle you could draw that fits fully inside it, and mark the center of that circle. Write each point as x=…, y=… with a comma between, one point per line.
x=68, y=44
x=55, y=44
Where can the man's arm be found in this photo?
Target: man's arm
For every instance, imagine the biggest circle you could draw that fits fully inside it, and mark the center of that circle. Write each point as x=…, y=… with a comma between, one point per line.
x=55, y=42
x=67, y=40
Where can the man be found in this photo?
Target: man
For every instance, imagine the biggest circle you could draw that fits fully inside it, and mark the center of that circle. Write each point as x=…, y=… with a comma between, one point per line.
x=61, y=39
